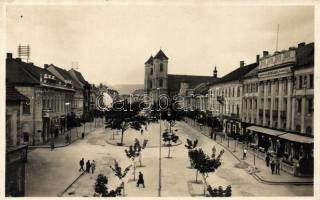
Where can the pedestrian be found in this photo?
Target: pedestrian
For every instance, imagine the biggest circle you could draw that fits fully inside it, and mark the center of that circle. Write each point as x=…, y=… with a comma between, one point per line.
x=272, y=165
x=141, y=131
x=81, y=165
x=146, y=128
x=52, y=144
x=267, y=160
x=278, y=167
x=88, y=165
x=93, y=166
x=140, y=180
x=82, y=135
x=244, y=153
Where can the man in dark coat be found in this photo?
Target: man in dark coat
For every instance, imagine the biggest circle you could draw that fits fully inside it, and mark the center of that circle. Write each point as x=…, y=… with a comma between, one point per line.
x=88, y=165
x=267, y=160
x=272, y=165
x=278, y=167
x=81, y=164
x=140, y=180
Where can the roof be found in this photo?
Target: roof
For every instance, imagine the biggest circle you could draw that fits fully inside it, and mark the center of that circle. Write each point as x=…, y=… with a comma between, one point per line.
x=174, y=81
x=267, y=131
x=161, y=56
x=65, y=74
x=79, y=76
x=13, y=94
x=201, y=88
x=150, y=60
x=305, y=55
x=21, y=73
x=237, y=74
x=252, y=73
x=297, y=138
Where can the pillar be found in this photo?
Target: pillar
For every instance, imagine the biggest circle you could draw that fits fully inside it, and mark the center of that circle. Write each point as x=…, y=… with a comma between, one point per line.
x=280, y=103
x=289, y=94
x=272, y=102
x=258, y=103
x=303, y=111
x=265, y=101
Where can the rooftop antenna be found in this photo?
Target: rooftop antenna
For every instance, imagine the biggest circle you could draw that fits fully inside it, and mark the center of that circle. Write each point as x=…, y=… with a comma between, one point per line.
x=277, y=37
x=75, y=65
x=24, y=52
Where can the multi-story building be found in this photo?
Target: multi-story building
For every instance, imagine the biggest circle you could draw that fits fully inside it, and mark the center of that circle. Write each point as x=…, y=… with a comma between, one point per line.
x=16, y=153
x=278, y=107
x=225, y=98
x=50, y=99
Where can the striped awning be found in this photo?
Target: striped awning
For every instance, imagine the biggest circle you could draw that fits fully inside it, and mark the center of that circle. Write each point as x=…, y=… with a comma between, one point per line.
x=297, y=138
x=267, y=131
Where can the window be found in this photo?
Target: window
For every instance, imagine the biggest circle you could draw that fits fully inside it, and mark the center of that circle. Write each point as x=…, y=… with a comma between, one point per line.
x=26, y=108
x=300, y=82
x=309, y=130
x=305, y=81
x=310, y=105
x=161, y=67
x=299, y=105
x=311, y=81
x=233, y=92
x=298, y=128
x=161, y=83
x=151, y=71
x=150, y=83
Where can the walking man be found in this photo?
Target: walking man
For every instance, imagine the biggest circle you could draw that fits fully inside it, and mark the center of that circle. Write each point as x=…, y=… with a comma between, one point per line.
x=88, y=165
x=140, y=180
x=267, y=160
x=93, y=166
x=81, y=165
x=272, y=165
x=141, y=131
x=52, y=144
x=244, y=153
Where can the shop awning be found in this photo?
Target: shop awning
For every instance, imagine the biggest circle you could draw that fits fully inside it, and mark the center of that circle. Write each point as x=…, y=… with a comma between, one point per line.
x=297, y=138
x=265, y=130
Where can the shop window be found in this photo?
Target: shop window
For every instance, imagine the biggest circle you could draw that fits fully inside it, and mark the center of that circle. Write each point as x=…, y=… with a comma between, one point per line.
x=310, y=105
x=238, y=93
x=26, y=108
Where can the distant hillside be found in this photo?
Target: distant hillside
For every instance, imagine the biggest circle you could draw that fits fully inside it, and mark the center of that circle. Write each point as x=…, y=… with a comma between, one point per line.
x=127, y=88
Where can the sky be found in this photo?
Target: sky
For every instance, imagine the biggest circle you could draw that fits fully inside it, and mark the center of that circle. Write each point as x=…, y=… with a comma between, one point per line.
x=111, y=42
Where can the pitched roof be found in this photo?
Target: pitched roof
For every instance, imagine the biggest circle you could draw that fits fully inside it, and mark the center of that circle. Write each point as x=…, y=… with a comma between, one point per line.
x=21, y=73
x=150, y=60
x=64, y=73
x=161, y=56
x=237, y=74
x=305, y=55
x=13, y=94
x=174, y=81
x=252, y=73
x=80, y=77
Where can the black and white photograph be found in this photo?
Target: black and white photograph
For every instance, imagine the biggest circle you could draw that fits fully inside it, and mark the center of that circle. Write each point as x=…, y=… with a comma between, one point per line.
x=159, y=98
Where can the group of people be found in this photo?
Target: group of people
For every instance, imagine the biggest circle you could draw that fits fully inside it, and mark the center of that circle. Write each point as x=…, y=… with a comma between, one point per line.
x=274, y=164
x=89, y=166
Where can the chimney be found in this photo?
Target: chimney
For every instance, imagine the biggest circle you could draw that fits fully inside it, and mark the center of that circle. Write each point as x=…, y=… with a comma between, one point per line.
x=9, y=55
x=241, y=63
x=257, y=58
x=291, y=48
x=301, y=44
x=215, y=72
x=276, y=52
x=265, y=54
x=46, y=66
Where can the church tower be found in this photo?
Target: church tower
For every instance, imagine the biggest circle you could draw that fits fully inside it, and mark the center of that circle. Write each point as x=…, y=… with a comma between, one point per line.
x=160, y=75
x=215, y=72
x=148, y=73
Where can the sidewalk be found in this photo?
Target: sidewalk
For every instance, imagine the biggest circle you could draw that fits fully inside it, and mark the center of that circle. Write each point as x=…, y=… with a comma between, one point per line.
x=262, y=172
x=86, y=128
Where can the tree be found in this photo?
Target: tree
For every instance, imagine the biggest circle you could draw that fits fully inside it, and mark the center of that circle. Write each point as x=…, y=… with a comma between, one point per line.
x=119, y=173
x=206, y=164
x=101, y=189
x=169, y=137
x=190, y=146
x=125, y=118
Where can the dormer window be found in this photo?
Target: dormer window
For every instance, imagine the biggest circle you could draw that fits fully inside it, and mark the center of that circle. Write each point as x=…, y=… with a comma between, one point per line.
x=161, y=67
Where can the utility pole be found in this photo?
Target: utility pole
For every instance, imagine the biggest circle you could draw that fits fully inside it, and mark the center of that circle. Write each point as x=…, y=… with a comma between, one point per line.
x=159, y=189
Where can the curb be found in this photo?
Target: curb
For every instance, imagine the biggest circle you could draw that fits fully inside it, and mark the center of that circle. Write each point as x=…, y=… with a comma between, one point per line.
x=62, y=193
x=257, y=177
x=172, y=145
x=58, y=146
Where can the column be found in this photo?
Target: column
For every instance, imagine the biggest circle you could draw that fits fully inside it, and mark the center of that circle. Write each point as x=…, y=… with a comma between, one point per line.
x=272, y=102
x=247, y=109
x=303, y=111
x=252, y=106
x=289, y=93
x=265, y=101
x=280, y=101
x=258, y=103
x=293, y=113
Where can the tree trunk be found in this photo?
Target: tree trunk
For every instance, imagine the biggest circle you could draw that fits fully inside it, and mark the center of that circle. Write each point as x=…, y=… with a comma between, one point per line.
x=169, y=152
x=122, y=131
x=134, y=170
x=204, y=185
x=140, y=159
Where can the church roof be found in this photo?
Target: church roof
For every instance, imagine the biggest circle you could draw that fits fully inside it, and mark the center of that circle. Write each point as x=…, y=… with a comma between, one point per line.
x=150, y=60
x=174, y=81
x=161, y=56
